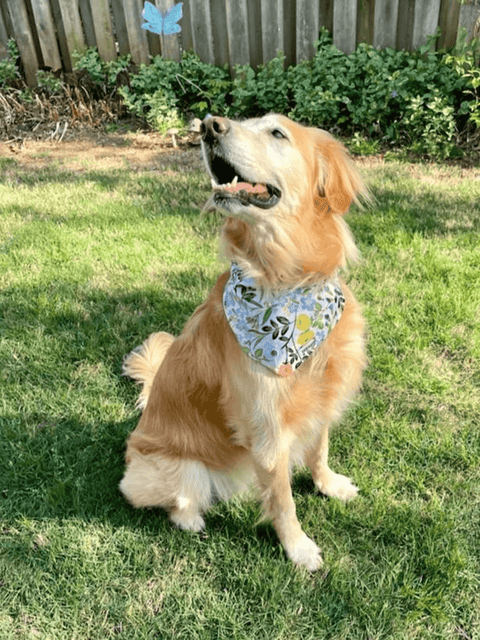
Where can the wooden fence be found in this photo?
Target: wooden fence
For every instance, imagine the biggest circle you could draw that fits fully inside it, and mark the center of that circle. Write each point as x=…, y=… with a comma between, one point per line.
x=47, y=32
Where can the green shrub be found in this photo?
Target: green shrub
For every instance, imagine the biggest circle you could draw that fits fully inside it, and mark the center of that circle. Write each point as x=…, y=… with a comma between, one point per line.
x=260, y=91
x=202, y=87
x=424, y=100
x=319, y=87
x=152, y=94
x=47, y=81
x=8, y=67
x=103, y=73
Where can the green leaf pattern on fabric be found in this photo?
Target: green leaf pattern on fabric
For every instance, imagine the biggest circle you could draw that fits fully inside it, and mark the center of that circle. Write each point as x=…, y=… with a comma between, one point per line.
x=280, y=331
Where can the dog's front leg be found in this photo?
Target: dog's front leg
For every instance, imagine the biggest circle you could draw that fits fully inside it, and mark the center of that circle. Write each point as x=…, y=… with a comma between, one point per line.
x=327, y=481
x=279, y=506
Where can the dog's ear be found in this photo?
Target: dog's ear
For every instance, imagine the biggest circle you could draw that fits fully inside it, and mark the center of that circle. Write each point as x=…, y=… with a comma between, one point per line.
x=339, y=181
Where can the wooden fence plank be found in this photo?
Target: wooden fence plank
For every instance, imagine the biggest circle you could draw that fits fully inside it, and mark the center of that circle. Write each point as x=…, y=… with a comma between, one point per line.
x=186, y=38
x=469, y=14
x=216, y=39
x=219, y=31
x=307, y=28
x=171, y=43
x=289, y=33
x=137, y=37
x=256, y=31
x=201, y=19
x=46, y=34
x=425, y=22
x=87, y=23
x=72, y=28
x=271, y=28
x=449, y=13
x=326, y=14
x=24, y=39
x=102, y=24
x=3, y=38
x=121, y=34
x=237, y=29
x=345, y=25
x=406, y=11
x=385, y=24
x=366, y=21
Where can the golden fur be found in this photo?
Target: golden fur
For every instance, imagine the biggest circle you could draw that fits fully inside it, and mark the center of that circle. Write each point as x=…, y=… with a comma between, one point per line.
x=213, y=419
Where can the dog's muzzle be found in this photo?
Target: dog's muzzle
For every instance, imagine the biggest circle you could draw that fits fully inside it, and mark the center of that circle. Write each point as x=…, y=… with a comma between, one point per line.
x=228, y=182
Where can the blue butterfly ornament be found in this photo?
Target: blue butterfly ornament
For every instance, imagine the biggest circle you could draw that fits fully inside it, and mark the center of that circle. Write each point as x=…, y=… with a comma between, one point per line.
x=162, y=24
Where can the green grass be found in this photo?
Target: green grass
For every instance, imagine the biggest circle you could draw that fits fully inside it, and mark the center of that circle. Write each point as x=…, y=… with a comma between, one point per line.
x=92, y=262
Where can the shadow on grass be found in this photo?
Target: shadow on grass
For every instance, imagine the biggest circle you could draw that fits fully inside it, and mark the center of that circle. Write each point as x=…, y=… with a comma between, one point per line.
x=416, y=210
x=14, y=174
x=60, y=353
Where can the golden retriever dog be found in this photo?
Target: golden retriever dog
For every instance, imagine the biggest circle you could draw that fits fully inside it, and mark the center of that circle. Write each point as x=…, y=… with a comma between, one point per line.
x=273, y=357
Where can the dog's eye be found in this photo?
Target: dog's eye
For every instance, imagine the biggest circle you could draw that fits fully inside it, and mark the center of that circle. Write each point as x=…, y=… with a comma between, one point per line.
x=278, y=134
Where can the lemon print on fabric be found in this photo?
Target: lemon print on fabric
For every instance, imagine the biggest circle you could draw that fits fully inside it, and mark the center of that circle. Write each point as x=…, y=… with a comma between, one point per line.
x=280, y=330
x=303, y=338
x=303, y=322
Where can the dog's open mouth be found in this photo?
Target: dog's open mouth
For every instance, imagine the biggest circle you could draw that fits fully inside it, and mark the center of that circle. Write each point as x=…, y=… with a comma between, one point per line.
x=229, y=184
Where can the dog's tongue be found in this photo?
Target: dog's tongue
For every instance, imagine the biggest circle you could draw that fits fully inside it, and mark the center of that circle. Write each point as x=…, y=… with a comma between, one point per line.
x=249, y=188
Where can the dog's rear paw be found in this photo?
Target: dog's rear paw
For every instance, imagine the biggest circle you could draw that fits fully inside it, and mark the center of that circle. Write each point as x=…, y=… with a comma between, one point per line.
x=305, y=553
x=334, y=485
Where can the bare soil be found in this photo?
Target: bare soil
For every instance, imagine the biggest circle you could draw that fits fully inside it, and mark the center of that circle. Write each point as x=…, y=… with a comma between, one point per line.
x=85, y=148
x=90, y=148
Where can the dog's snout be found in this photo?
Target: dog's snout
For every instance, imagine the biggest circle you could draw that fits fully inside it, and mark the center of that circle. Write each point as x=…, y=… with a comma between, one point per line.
x=213, y=127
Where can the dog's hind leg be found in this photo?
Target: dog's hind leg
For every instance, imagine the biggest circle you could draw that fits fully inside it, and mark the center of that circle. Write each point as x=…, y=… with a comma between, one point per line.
x=143, y=362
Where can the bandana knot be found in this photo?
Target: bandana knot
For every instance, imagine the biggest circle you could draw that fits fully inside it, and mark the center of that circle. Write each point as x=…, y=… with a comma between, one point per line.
x=280, y=331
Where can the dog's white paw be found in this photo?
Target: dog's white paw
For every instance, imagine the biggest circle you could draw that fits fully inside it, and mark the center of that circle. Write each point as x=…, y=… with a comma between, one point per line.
x=305, y=553
x=188, y=521
x=334, y=485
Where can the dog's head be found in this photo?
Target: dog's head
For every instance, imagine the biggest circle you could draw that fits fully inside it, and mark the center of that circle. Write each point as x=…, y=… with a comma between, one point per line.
x=289, y=184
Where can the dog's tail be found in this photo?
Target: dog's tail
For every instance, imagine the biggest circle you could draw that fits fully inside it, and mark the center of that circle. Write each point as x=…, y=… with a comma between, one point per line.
x=143, y=362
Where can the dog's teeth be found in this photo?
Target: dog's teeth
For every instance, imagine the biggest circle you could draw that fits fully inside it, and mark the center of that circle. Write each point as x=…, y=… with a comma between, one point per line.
x=215, y=184
x=234, y=181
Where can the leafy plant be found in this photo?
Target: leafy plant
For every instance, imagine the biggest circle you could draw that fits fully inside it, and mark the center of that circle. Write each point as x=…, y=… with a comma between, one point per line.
x=426, y=100
x=464, y=58
x=430, y=121
x=202, y=87
x=46, y=80
x=264, y=90
x=151, y=94
x=162, y=115
x=102, y=72
x=8, y=67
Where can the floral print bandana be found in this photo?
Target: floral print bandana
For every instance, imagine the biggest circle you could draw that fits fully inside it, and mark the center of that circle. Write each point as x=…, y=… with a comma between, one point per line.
x=280, y=331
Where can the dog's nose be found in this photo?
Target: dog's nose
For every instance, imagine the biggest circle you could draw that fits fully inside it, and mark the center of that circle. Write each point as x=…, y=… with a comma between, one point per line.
x=213, y=127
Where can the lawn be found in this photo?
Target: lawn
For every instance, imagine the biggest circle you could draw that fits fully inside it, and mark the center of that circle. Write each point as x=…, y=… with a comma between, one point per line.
x=92, y=260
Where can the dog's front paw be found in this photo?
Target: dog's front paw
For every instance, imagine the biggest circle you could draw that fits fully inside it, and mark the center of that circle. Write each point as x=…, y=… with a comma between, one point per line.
x=187, y=521
x=305, y=553
x=334, y=485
